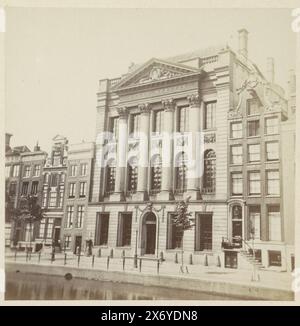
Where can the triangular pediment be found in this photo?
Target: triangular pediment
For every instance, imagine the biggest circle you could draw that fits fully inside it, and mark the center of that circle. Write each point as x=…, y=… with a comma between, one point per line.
x=155, y=70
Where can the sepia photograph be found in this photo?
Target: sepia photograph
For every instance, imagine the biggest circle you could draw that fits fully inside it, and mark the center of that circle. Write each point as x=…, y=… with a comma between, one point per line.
x=150, y=153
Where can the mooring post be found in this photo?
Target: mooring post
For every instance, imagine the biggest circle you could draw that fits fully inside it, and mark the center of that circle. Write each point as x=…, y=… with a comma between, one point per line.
x=39, y=256
x=140, y=264
x=16, y=255
x=158, y=266
x=93, y=260
x=123, y=263
x=78, y=261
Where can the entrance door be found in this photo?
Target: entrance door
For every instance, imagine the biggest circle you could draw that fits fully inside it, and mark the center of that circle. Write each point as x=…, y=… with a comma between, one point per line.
x=77, y=247
x=151, y=237
x=149, y=234
x=56, y=236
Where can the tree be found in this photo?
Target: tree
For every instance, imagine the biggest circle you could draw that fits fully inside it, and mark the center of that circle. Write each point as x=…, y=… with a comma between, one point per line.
x=29, y=211
x=182, y=220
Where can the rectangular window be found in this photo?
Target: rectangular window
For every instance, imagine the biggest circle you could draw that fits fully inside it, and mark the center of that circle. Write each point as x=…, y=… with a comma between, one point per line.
x=102, y=224
x=114, y=127
x=253, y=128
x=274, y=223
x=237, y=154
x=237, y=183
x=271, y=126
x=174, y=235
x=82, y=189
x=49, y=228
x=72, y=190
x=254, y=222
x=203, y=232
x=24, y=190
x=273, y=184
x=34, y=187
x=272, y=151
x=12, y=189
x=158, y=121
x=183, y=119
x=135, y=124
x=209, y=115
x=132, y=178
x=61, y=197
x=42, y=229
x=67, y=241
x=253, y=107
x=254, y=153
x=274, y=258
x=27, y=171
x=53, y=199
x=80, y=216
x=36, y=170
x=83, y=169
x=110, y=179
x=254, y=182
x=124, y=229
x=54, y=180
x=16, y=170
x=45, y=198
x=7, y=171
x=73, y=170
x=236, y=130
x=70, y=216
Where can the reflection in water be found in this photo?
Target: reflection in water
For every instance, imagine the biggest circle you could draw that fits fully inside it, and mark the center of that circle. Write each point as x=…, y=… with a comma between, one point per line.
x=24, y=286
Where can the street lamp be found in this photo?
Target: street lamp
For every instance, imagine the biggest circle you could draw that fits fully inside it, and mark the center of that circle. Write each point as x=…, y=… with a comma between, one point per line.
x=135, y=263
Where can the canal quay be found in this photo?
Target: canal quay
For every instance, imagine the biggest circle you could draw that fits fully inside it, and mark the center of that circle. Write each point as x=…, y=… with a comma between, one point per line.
x=68, y=276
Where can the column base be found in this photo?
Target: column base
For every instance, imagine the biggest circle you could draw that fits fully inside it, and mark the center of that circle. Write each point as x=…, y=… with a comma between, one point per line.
x=193, y=194
x=165, y=195
x=117, y=196
x=140, y=196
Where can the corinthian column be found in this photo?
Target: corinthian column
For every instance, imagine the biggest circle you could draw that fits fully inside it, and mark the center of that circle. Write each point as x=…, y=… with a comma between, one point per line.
x=143, y=163
x=194, y=163
x=167, y=150
x=121, y=156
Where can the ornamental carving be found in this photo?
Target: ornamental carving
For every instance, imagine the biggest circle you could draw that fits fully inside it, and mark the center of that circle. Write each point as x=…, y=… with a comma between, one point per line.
x=194, y=100
x=168, y=104
x=144, y=108
x=158, y=73
x=210, y=138
x=122, y=111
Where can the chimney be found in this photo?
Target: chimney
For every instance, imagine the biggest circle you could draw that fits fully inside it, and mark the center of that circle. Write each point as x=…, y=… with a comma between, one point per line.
x=37, y=147
x=270, y=70
x=7, y=141
x=243, y=42
x=292, y=82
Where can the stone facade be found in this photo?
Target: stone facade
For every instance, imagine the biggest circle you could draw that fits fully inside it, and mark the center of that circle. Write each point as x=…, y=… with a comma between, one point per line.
x=221, y=95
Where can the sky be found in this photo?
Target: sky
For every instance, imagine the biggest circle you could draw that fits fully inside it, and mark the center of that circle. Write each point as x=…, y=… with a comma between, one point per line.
x=56, y=57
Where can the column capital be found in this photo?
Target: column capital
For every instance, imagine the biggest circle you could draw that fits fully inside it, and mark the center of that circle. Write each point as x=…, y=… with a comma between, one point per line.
x=194, y=100
x=144, y=108
x=168, y=104
x=122, y=111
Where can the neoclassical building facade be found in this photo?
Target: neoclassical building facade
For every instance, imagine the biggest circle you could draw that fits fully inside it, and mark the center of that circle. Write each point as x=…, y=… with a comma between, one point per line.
x=203, y=126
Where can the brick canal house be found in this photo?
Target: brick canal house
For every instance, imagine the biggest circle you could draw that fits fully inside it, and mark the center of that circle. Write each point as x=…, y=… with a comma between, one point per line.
x=237, y=201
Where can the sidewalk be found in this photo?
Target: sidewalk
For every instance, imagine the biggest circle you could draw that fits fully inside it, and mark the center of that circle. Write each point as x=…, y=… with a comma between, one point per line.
x=268, y=279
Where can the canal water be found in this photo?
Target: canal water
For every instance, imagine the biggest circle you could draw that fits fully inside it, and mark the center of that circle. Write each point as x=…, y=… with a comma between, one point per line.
x=25, y=286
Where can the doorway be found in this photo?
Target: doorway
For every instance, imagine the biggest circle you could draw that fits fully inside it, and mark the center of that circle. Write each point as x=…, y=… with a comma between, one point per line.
x=77, y=246
x=149, y=234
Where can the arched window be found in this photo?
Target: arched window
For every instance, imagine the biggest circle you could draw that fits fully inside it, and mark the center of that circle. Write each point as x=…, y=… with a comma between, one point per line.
x=209, y=177
x=155, y=174
x=110, y=177
x=132, y=170
x=181, y=181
